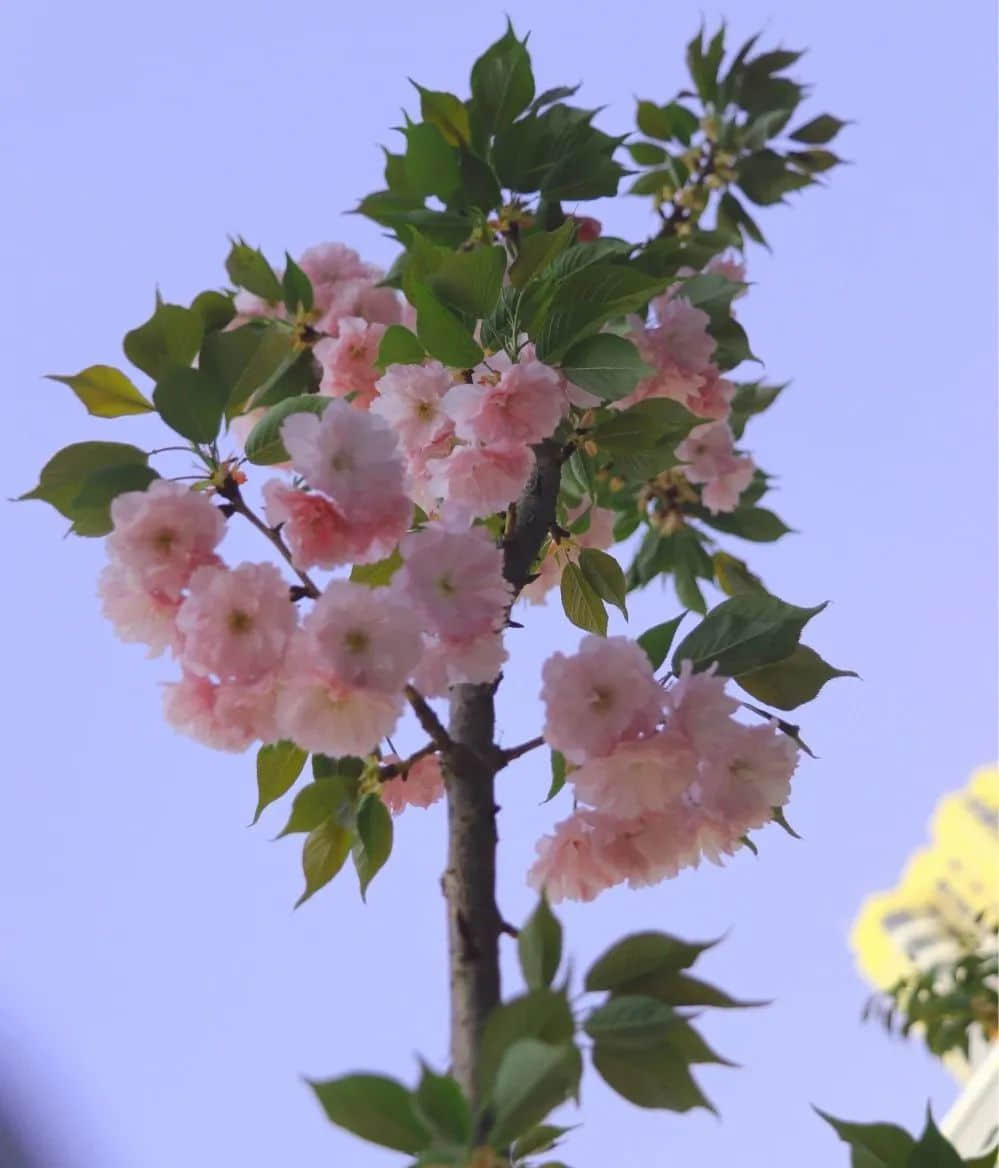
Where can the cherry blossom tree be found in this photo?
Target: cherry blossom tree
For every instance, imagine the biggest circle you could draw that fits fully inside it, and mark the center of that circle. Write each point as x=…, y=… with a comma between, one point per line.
x=451, y=443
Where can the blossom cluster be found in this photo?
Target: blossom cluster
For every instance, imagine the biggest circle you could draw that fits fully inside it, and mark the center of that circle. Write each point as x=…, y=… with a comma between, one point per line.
x=661, y=776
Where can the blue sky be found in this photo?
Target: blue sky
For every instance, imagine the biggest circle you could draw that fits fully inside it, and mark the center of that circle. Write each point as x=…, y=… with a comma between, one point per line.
x=159, y=1000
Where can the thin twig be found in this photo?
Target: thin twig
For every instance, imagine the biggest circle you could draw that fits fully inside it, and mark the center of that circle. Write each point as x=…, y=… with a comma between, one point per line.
x=428, y=719
x=231, y=492
x=523, y=748
x=510, y=930
x=392, y=770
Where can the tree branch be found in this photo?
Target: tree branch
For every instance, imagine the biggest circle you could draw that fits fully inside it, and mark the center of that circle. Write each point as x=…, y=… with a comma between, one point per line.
x=533, y=515
x=393, y=770
x=524, y=748
x=427, y=718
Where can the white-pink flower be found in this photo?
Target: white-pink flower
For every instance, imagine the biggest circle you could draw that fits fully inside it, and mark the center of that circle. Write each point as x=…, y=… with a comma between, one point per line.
x=409, y=399
x=643, y=775
x=449, y=661
x=348, y=360
x=522, y=403
x=421, y=786
x=327, y=716
x=314, y=530
x=455, y=579
x=600, y=696
x=225, y=716
x=579, y=860
x=476, y=481
x=699, y=707
x=163, y=533
x=235, y=624
x=367, y=637
x=137, y=614
x=710, y=458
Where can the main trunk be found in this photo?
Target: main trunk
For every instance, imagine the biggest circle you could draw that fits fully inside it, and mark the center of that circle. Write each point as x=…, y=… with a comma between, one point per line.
x=470, y=878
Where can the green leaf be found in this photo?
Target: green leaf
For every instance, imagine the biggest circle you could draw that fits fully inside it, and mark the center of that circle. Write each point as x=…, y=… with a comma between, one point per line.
x=346, y=769
x=533, y=1078
x=440, y=1104
x=756, y=524
x=538, y=250
x=581, y=603
x=743, y=633
x=278, y=766
x=604, y=575
x=378, y=574
x=171, y=336
x=502, y=82
x=191, y=402
x=258, y=364
x=447, y=113
x=376, y=1109
x=665, y=122
x=689, y=560
x=734, y=576
x=731, y=213
x=791, y=682
x=815, y=161
x=431, y=165
x=657, y=640
x=264, y=446
x=933, y=1150
x=328, y=796
x=685, y=1041
x=647, y=153
x=630, y=1022
x=214, y=309
x=542, y=1138
x=296, y=287
x=66, y=473
x=752, y=398
x=92, y=505
x=680, y=989
x=655, y=422
x=651, y=1077
x=605, y=364
x=818, y=131
x=105, y=391
x=539, y=947
x=558, y=775
x=248, y=268
x=373, y=839
x=469, y=281
x=886, y=1145
x=639, y=954
x=442, y=332
x=542, y=1014
x=987, y=1160
x=323, y=854
x=450, y=227
x=399, y=346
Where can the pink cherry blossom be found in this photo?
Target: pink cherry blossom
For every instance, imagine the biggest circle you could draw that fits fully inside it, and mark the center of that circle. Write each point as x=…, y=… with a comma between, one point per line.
x=699, y=707
x=136, y=613
x=421, y=786
x=522, y=403
x=709, y=452
x=162, y=534
x=327, y=264
x=449, y=661
x=600, y=696
x=477, y=481
x=409, y=399
x=455, y=579
x=662, y=845
x=729, y=267
x=580, y=860
x=746, y=773
x=599, y=535
x=348, y=360
x=646, y=774
x=314, y=530
x=226, y=716
x=367, y=637
x=236, y=624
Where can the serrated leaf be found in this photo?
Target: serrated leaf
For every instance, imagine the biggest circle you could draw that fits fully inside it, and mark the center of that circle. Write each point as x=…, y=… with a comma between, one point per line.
x=933, y=1150
x=259, y=365
x=629, y=1021
x=442, y=332
x=447, y=113
x=539, y=946
x=170, y=337
x=533, y=1078
x=430, y=164
x=441, y=1105
x=743, y=633
x=469, y=281
x=886, y=1145
x=605, y=576
x=818, y=131
x=581, y=603
x=639, y=954
x=264, y=445
x=323, y=854
x=191, y=402
x=105, y=391
x=278, y=766
x=538, y=250
x=372, y=841
x=652, y=423
x=653, y=1077
x=248, y=268
x=375, y=1108
x=791, y=682
x=296, y=287
x=503, y=83
x=399, y=346
x=657, y=640
x=680, y=989
x=542, y=1014
x=605, y=364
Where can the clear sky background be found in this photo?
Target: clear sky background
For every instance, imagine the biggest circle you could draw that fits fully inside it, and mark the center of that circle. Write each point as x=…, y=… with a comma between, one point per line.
x=158, y=997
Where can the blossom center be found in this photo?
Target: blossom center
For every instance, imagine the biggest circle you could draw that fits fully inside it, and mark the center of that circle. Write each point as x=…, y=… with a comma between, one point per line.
x=240, y=621
x=445, y=586
x=601, y=699
x=357, y=641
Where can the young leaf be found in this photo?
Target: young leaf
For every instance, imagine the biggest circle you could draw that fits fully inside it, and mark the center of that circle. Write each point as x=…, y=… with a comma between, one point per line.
x=296, y=287
x=558, y=775
x=372, y=841
x=171, y=336
x=581, y=603
x=650, y=1077
x=375, y=1108
x=605, y=364
x=323, y=855
x=248, y=268
x=604, y=575
x=743, y=633
x=657, y=640
x=502, y=82
x=447, y=113
x=105, y=391
x=191, y=402
x=263, y=445
x=399, y=346
x=319, y=801
x=630, y=1021
x=533, y=1078
x=378, y=574
x=734, y=576
x=539, y=947
x=278, y=766
x=792, y=682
